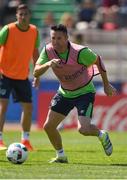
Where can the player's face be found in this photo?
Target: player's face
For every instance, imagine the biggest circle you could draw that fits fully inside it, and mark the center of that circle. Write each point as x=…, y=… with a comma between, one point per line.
x=59, y=40
x=23, y=17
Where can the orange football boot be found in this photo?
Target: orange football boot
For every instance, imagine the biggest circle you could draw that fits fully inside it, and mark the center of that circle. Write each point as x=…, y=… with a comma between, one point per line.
x=27, y=144
x=2, y=145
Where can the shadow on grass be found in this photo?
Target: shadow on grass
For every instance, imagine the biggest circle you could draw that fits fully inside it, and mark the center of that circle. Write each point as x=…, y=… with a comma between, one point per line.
x=94, y=164
x=5, y=161
x=118, y=164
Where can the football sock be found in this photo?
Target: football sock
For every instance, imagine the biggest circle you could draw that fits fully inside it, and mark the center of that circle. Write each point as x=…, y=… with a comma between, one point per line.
x=1, y=135
x=100, y=133
x=25, y=135
x=60, y=153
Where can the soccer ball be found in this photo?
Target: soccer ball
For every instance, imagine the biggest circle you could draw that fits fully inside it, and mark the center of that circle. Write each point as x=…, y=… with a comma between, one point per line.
x=17, y=153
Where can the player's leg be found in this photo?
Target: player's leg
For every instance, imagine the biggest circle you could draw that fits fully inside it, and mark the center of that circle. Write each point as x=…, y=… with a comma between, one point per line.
x=85, y=127
x=26, y=117
x=84, y=106
x=22, y=93
x=50, y=127
x=88, y=129
x=5, y=89
x=60, y=107
x=3, y=109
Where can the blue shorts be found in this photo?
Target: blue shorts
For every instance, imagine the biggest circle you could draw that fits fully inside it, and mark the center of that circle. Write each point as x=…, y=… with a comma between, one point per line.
x=83, y=103
x=20, y=89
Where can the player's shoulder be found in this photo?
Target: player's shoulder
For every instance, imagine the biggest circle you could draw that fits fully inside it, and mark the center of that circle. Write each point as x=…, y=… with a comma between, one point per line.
x=78, y=46
x=33, y=26
x=11, y=25
x=86, y=49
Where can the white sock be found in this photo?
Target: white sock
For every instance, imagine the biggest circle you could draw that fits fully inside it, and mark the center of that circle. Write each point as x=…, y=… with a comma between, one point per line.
x=25, y=135
x=1, y=135
x=60, y=153
x=100, y=133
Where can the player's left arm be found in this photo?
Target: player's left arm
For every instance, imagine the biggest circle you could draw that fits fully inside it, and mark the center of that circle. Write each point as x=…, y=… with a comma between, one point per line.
x=108, y=88
x=88, y=58
x=36, y=49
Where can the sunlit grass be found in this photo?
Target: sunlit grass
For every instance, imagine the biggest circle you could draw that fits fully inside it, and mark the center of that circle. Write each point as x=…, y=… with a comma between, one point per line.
x=87, y=159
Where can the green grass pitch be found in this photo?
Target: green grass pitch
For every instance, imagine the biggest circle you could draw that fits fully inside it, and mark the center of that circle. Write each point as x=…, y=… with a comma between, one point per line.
x=87, y=159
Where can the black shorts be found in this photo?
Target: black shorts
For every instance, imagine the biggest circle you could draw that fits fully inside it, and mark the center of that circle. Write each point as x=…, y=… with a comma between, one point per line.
x=20, y=89
x=83, y=103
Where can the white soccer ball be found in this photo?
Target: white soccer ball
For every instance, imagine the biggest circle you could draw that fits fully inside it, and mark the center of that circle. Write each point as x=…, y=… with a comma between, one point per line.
x=17, y=153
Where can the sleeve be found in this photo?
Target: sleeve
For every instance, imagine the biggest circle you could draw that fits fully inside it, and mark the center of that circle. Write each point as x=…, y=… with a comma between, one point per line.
x=43, y=58
x=37, y=44
x=3, y=35
x=87, y=57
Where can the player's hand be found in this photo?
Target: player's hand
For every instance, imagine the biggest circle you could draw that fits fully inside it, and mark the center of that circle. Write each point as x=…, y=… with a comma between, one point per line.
x=36, y=82
x=55, y=63
x=110, y=90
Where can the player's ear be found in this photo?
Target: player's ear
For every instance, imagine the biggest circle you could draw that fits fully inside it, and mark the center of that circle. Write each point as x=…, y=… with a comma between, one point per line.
x=16, y=16
x=67, y=36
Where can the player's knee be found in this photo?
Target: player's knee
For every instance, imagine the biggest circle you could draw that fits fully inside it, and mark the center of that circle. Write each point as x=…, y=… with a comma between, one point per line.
x=27, y=109
x=47, y=127
x=3, y=108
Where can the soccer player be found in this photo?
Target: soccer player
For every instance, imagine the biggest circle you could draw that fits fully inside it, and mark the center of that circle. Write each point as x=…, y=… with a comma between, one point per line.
x=19, y=42
x=74, y=65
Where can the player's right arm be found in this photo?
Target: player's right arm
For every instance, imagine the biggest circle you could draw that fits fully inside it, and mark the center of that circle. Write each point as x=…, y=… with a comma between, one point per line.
x=43, y=64
x=3, y=35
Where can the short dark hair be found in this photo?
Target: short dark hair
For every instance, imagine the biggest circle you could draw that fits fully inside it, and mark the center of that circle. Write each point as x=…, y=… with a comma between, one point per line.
x=59, y=27
x=22, y=6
